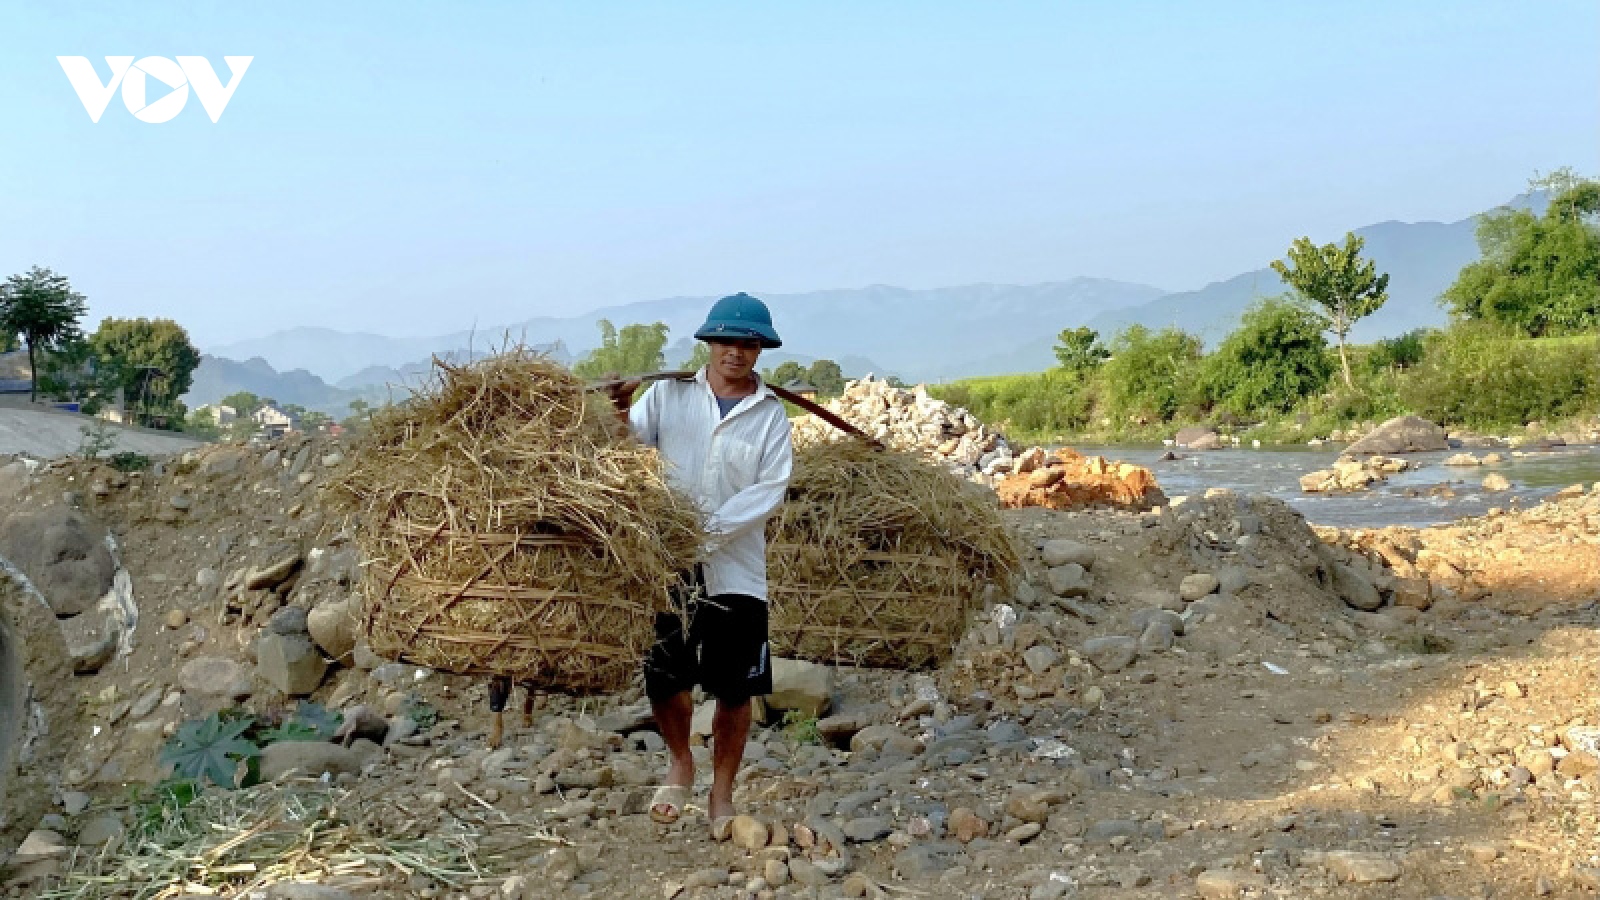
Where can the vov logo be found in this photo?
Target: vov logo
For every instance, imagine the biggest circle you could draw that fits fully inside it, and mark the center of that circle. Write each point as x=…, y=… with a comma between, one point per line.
x=134, y=79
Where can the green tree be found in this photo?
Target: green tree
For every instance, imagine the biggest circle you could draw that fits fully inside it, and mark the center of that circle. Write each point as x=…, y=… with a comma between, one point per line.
x=152, y=360
x=1399, y=353
x=1347, y=287
x=1275, y=358
x=699, y=358
x=786, y=372
x=243, y=402
x=1151, y=375
x=202, y=423
x=40, y=307
x=1539, y=275
x=635, y=350
x=826, y=376
x=1079, y=349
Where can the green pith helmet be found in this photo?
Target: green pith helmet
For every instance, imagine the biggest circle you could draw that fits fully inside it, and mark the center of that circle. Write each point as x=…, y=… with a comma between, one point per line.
x=739, y=316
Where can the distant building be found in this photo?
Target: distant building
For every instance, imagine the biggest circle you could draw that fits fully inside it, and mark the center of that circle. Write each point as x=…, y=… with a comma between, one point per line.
x=274, y=422
x=221, y=415
x=804, y=389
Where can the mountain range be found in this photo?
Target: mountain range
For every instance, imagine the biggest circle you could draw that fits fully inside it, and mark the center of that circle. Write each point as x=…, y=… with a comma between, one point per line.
x=920, y=335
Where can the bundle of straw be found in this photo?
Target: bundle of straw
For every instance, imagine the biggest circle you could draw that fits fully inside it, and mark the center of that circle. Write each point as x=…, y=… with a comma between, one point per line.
x=878, y=558
x=513, y=527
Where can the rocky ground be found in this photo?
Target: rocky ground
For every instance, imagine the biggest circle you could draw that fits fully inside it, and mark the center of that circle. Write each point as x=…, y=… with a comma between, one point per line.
x=1206, y=699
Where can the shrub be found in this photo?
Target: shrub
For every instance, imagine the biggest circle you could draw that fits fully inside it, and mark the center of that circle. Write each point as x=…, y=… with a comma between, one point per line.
x=1480, y=375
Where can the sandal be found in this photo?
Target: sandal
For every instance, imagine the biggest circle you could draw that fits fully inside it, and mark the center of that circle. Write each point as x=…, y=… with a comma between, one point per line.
x=721, y=828
x=666, y=805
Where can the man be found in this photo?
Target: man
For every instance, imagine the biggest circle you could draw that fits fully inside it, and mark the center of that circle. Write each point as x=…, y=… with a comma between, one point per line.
x=725, y=439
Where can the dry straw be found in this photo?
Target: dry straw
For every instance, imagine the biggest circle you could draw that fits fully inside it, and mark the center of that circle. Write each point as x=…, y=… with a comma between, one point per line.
x=879, y=558
x=513, y=527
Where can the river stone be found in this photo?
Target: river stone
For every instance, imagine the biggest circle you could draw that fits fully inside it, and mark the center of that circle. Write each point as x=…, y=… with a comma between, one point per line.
x=1141, y=619
x=1070, y=580
x=1195, y=586
x=1357, y=591
x=1157, y=636
x=1362, y=868
x=333, y=628
x=1040, y=658
x=1112, y=653
x=1061, y=551
x=290, y=663
x=1494, y=481
x=1402, y=434
x=805, y=687
x=214, y=676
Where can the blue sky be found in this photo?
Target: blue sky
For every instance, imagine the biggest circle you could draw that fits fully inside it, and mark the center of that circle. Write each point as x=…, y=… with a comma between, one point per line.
x=411, y=168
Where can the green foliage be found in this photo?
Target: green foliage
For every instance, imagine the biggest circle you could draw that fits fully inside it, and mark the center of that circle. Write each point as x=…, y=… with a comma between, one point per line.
x=310, y=722
x=244, y=403
x=422, y=713
x=1539, y=275
x=202, y=423
x=157, y=804
x=98, y=436
x=210, y=748
x=1479, y=375
x=801, y=728
x=826, y=376
x=129, y=461
x=635, y=350
x=785, y=373
x=1038, y=406
x=1276, y=357
x=699, y=358
x=41, y=308
x=1152, y=376
x=152, y=360
x=1347, y=287
x=1079, y=349
x=1399, y=353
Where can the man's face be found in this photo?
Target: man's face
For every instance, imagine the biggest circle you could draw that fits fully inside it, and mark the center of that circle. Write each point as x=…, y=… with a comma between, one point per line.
x=732, y=359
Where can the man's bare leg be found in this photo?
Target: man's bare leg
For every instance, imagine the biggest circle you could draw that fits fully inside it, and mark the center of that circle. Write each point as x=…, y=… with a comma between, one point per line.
x=730, y=729
x=673, y=717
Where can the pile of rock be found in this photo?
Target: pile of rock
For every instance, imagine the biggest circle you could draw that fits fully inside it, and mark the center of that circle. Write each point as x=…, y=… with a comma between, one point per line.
x=1352, y=475
x=1069, y=480
x=910, y=419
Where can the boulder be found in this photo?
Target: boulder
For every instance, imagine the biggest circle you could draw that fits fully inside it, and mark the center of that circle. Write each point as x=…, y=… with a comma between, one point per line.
x=290, y=663
x=1463, y=459
x=1206, y=442
x=312, y=758
x=63, y=554
x=1402, y=434
x=1084, y=482
x=333, y=628
x=805, y=687
x=214, y=676
x=1198, y=585
x=1069, y=580
x=1356, y=588
x=1496, y=482
x=1187, y=436
x=1061, y=551
x=1112, y=653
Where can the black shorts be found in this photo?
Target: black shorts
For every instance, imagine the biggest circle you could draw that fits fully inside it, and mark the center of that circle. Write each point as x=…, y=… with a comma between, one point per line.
x=725, y=650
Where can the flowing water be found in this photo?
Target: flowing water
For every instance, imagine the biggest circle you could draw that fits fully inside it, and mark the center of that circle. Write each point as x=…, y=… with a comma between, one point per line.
x=1408, y=498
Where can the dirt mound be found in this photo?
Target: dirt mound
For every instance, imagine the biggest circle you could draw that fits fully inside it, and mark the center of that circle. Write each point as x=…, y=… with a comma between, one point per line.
x=1070, y=480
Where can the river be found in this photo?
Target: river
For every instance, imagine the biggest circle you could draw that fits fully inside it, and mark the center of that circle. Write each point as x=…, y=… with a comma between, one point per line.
x=1402, y=500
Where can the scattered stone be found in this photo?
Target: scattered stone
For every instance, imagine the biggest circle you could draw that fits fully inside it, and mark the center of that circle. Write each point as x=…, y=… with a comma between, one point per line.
x=1112, y=653
x=1060, y=552
x=1496, y=482
x=866, y=830
x=1070, y=580
x=1040, y=657
x=100, y=831
x=214, y=676
x=1193, y=587
x=1360, y=867
x=1227, y=884
x=332, y=627
x=749, y=833
x=804, y=687
x=966, y=826
x=290, y=663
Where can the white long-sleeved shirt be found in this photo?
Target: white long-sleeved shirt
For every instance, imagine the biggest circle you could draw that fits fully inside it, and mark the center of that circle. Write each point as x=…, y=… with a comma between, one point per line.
x=736, y=467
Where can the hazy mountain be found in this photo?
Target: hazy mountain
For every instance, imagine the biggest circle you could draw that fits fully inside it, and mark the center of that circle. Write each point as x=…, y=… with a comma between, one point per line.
x=883, y=329
x=1422, y=259
x=919, y=334
x=217, y=377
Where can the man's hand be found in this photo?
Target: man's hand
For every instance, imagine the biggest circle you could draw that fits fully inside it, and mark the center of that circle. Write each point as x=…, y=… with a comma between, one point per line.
x=621, y=392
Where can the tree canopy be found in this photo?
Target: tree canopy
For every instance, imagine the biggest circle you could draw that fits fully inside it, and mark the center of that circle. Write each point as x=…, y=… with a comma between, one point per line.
x=152, y=360
x=785, y=373
x=41, y=307
x=635, y=350
x=1276, y=357
x=1152, y=374
x=826, y=376
x=1079, y=349
x=1539, y=275
x=1338, y=279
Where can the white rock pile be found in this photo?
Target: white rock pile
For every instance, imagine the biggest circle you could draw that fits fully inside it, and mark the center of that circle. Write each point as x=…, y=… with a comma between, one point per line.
x=910, y=419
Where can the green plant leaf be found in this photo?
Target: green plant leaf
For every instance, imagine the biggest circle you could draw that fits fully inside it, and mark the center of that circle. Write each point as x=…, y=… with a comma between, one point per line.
x=209, y=748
